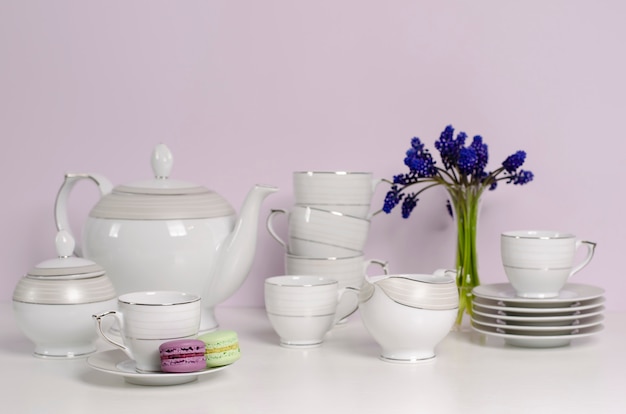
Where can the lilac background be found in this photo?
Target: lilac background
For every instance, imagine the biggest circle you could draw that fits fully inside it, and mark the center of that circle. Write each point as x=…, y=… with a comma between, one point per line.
x=249, y=91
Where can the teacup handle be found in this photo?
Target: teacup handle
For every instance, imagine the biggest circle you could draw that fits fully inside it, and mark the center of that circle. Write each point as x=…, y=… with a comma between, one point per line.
x=340, y=294
x=591, y=247
x=381, y=263
x=270, y=228
x=118, y=316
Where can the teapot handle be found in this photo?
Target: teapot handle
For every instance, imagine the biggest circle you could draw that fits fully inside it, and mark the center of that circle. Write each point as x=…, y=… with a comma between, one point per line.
x=60, y=205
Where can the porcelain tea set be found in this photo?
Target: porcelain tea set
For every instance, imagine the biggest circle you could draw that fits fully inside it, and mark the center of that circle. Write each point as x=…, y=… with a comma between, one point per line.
x=166, y=235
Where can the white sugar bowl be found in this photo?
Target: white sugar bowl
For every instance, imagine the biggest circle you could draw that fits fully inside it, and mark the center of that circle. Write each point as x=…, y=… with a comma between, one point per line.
x=54, y=302
x=408, y=315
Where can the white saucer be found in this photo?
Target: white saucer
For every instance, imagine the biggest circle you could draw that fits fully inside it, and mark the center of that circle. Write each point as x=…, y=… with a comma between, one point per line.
x=116, y=362
x=536, y=329
x=521, y=311
x=537, y=305
x=540, y=319
x=571, y=293
x=550, y=341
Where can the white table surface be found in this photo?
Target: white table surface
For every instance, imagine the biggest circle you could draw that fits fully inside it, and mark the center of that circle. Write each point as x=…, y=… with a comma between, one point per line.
x=471, y=374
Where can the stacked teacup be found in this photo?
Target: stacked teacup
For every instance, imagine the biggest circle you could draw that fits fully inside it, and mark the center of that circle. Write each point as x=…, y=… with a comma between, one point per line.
x=540, y=307
x=328, y=226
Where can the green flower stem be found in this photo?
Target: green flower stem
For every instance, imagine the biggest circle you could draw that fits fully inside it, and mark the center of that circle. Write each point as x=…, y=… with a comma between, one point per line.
x=465, y=202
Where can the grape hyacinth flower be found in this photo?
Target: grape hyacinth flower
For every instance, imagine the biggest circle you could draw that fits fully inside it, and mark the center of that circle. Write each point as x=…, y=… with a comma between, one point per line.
x=463, y=166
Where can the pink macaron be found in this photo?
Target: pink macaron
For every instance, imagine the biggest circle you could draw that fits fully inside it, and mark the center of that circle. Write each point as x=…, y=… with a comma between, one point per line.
x=182, y=355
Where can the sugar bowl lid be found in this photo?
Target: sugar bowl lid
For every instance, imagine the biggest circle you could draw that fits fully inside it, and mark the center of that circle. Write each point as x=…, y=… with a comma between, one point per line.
x=65, y=280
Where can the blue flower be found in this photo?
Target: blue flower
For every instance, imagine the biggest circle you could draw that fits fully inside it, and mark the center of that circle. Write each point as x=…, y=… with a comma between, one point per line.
x=419, y=160
x=392, y=199
x=409, y=204
x=482, y=154
x=400, y=179
x=416, y=144
x=523, y=177
x=467, y=161
x=513, y=162
x=463, y=167
x=449, y=147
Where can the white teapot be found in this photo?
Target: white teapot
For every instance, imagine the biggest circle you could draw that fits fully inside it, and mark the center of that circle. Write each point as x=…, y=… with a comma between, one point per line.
x=165, y=234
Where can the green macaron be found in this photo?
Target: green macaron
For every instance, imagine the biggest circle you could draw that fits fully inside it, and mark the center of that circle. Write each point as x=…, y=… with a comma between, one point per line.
x=222, y=348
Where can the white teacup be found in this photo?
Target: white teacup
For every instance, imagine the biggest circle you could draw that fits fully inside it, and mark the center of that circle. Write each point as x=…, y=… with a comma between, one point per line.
x=302, y=309
x=321, y=233
x=348, y=271
x=539, y=263
x=346, y=192
x=147, y=319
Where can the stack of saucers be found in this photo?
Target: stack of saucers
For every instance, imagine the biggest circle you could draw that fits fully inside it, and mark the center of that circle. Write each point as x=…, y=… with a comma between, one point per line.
x=576, y=312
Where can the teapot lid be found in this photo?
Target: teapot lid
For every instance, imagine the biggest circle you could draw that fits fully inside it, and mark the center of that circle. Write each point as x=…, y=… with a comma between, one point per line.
x=64, y=280
x=161, y=197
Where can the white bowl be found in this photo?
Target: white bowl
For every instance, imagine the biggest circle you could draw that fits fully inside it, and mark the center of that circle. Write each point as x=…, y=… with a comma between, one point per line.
x=301, y=331
x=60, y=331
x=405, y=334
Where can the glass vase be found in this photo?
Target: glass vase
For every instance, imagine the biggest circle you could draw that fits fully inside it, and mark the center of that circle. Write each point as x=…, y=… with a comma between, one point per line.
x=465, y=204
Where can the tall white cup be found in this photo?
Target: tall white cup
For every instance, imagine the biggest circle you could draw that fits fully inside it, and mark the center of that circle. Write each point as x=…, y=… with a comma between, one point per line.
x=343, y=191
x=147, y=319
x=539, y=263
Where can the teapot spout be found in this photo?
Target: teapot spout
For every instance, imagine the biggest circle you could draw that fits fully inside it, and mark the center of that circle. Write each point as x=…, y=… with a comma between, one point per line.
x=236, y=254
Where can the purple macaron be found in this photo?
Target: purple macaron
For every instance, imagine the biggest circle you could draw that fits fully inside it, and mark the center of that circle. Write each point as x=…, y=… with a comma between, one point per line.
x=182, y=355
